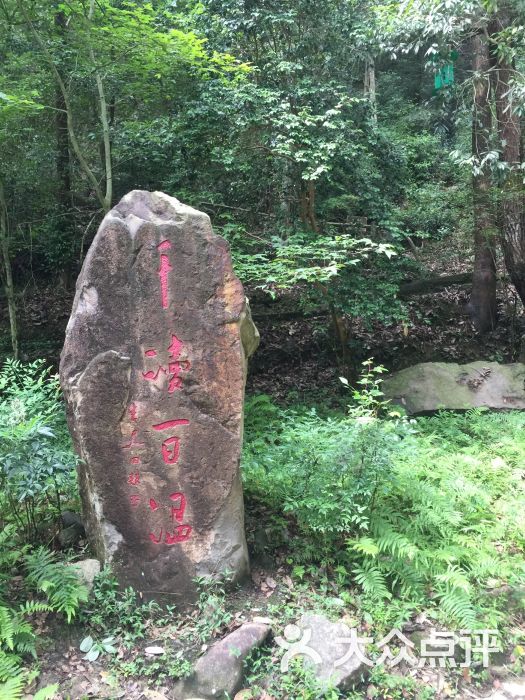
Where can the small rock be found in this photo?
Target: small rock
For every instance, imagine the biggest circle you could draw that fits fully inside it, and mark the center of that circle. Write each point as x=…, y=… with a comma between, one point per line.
x=154, y=651
x=68, y=518
x=262, y=620
x=87, y=570
x=70, y=536
x=153, y=694
x=218, y=674
x=514, y=689
x=319, y=641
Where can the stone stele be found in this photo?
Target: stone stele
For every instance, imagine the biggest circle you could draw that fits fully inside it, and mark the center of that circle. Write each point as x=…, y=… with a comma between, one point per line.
x=153, y=370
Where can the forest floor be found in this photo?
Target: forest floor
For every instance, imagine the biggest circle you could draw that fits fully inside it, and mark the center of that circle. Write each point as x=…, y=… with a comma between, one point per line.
x=131, y=674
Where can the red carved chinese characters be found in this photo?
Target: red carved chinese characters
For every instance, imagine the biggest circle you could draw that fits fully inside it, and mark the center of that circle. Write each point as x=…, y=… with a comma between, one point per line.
x=180, y=534
x=174, y=366
x=167, y=366
x=134, y=478
x=171, y=446
x=177, y=513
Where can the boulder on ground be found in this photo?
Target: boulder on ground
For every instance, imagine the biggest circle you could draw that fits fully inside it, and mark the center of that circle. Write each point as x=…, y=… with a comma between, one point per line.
x=334, y=652
x=219, y=673
x=153, y=371
x=431, y=386
x=87, y=570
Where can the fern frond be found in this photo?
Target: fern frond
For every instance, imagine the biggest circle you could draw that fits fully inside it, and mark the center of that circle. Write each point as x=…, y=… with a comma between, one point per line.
x=47, y=693
x=370, y=578
x=455, y=578
x=60, y=583
x=7, y=627
x=457, y=604
x=365, y=545
x=13, y=688
x=393, y=543
x=9, y=665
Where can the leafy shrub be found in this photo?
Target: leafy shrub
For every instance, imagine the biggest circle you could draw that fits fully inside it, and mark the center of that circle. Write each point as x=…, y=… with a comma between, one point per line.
x=117, y=612
x=409, y=509
x=36, y=460
x=36, y=472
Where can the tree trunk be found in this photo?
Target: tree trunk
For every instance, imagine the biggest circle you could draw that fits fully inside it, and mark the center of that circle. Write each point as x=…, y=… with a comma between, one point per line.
x=369, y=87
x=8, y=274
x=75, y=145
x=307, y=205
x=63, y=161
x=482, y=305
x=509, y=132
x=104, y=120
x=429, y=285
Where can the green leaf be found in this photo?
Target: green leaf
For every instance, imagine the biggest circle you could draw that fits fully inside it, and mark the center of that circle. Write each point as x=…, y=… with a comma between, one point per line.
x=92, y=655
x=86, y=644
x=47, y=693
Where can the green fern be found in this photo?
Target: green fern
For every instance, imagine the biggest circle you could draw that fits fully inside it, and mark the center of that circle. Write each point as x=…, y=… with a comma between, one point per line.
x=364, y=545
x=391, y=542
x=457, y=605
x=371, y=579
x=13, y=688
x=60, y=583
x=9, y=665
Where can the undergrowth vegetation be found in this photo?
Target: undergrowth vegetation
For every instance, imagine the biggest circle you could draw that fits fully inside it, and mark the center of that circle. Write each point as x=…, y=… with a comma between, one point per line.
x=36, y=482
x=425, y=513
x=396, y=516
x=37, y=464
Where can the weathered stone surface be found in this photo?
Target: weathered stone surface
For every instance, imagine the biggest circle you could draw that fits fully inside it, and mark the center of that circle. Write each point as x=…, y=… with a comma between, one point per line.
x=433, y=385
x=219, y=673
x=327, y=647
x=153, y=370
x=87, y=570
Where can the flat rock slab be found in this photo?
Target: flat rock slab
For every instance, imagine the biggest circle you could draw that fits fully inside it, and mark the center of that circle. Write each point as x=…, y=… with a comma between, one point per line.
x=431, y=386
x=153, y=370
x=219, y=673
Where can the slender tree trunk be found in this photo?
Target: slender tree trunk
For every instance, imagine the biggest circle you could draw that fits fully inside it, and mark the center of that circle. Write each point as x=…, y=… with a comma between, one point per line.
x=63, y=161
x=509, y=130
x=7, y=272
x=369, y=86
x=307, y=205
x=310, y=198
x=104, y=120
x=482, y=305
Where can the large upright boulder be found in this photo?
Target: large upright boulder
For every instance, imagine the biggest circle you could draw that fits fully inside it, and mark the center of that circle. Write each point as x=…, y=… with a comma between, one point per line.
x=153, y=370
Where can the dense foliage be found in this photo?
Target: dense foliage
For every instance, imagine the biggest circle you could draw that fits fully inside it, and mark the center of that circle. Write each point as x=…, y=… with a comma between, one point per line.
x=37, y=481
x=409, y=510
x=263, y=116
